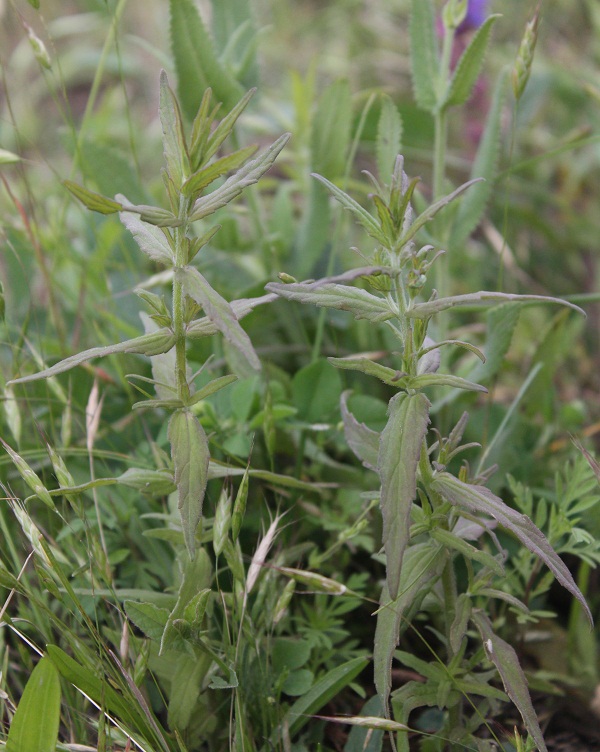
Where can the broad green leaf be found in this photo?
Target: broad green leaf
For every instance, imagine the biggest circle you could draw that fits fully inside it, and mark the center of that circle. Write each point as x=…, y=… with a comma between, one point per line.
x=190, y=454
x=423, y=564
x=399, y=452
x=239, y=181
x=36, y=721
x=150, y=239
x=330, y=131
x=469, y=66
x=389, y=138
x=195, y=581
x=501, y=323
x=362, y=216
x=202, y=178
x=316, y=389
x=480, y=500
x=29, y=476
x=473, y=204
x=93, y=201
x=423, y=54
x=442, y=379
x=148, y=617
x=185, y=689
x=148, y=344
x=289, y=653
x=504, y=657
x=397, y=379
x=321, y=693
x=7, y=157
x=174, y=146
x=431, y=307
x=362, y=440
x=360, y=303
x=197, y=65
x=218, y=311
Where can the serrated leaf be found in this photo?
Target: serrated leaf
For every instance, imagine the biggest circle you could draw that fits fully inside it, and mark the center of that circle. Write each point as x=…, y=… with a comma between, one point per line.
x=469, y=66
x=389, y=138
x=36, y=720
x=431, y=307
x=238, y=182
x=148, y=617
x=504, y=657
x=330, y=130
x=362, y=440
x=218, y=311
x=423, y=54
x=148, y=344
x=360, y=303
x=480, y=500
x=190, y=454
x=399, y=452
x=150, y=239
x=174, y=146
x=197, y=65
x=362, y=216
x=442, y=379
x=93, y=201
x=472, y=206
x=197, y=182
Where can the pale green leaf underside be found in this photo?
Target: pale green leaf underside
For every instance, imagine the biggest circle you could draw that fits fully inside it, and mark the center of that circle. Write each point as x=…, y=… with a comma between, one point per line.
x=150, y=239
x=480, y=500
x=431, y=307
x=399, y=451
x=360, y=303
x=363, y=441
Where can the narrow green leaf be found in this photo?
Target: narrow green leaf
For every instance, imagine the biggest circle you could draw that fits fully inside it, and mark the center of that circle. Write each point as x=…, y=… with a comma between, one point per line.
x=238, y=182
x=239, y=506
x=469, y=66
x=504, y=657
x=197, y=65
x=148, y=344
x=197, y=182
x=360, y=303
x=152, y=482
x=473, y=204
x=29, y=476
x=501, y=323
x=371, y=368
x=37, y=718
x=389, y=138
x=91, y=200
x=450, y=540
x=363, y=217
x=218, y=311
x=321, y=693
x=148, y=617
x=480, y=500
x=150, y=239
x=431, y=307
x=443, y=379
x=7, y=157
x=423, y=54
x=174, y=146
x=399, y=452
x=222, y=131
x=330, y=130
x=213, y=387
x=190, y=454
x=362, y=440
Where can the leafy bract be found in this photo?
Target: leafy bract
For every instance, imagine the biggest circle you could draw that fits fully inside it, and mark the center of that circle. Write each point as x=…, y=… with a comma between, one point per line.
x=148, y=344
x=362, y=440
x=360, y=303
x=431, y=307
x=480, y=500
x=218, y=311
x=151, y=240
x=190, y=454
x=504, y=657
x=399, y=451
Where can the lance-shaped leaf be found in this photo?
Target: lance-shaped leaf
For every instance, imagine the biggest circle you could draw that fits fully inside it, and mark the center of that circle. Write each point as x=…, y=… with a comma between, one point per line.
x=363, y=217
x=149, y=238
x=399, y=452
x=504, y=657
x=93, y=201
x=190, y=454
x=480, y=500
x=148, y=344
x=442, y=379
x=365, y=365
x=389, y=138
x=423, y=53
x=431, y=307
x=197, y=182
x=469, y=66
x=363, y=441
x=174, y=146
x=204, y=327
x=218, y=311
x=360, y=303
x=244, y=177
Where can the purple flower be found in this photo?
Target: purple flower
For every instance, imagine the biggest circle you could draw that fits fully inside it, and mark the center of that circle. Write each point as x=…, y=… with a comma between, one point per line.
x=477, y=12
